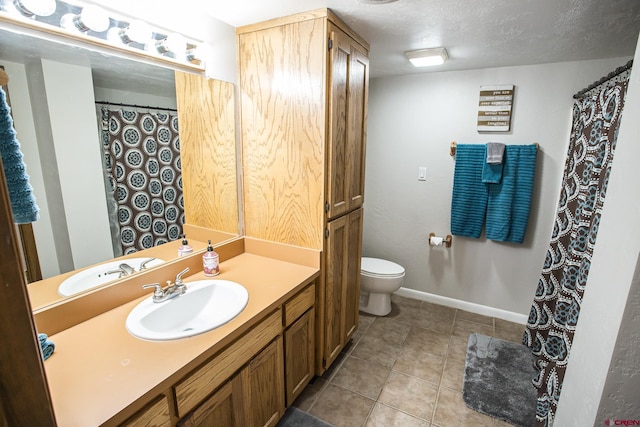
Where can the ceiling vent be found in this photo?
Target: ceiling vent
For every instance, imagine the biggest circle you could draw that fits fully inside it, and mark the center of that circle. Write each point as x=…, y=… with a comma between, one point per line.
x=377, y=1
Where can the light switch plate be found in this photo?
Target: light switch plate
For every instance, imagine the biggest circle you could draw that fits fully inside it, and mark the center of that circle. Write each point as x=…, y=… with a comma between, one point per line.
x=422, y=173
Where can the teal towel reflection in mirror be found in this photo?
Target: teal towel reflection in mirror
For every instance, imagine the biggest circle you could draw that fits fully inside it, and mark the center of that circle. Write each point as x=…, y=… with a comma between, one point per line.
x=23, y=202
x=46, y=345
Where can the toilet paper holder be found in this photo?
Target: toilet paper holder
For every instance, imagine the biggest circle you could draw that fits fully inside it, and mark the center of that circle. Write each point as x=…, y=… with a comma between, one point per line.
x=446, y=241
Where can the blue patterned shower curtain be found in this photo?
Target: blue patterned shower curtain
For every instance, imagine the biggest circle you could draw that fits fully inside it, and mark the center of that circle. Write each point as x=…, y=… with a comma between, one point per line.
x=144, y=178
x=556, y=306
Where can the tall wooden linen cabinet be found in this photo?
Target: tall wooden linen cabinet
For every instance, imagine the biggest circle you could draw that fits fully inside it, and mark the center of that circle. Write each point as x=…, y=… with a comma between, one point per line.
x=304, y=85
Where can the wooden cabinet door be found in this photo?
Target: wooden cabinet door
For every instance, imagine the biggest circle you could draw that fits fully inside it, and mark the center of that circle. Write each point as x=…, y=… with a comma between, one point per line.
x=299, y=353
x=352, y=283
x=342, y=282
x=223, y=408
x=264, y=386
x=347, y=97
x=338, y=87
x=335, y=276
x=357, y=124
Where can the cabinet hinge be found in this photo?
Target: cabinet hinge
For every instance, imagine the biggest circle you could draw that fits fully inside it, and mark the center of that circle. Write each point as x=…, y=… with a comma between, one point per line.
x=326, y=207
x=326, y=233
x=324, y=362
x=330, y=44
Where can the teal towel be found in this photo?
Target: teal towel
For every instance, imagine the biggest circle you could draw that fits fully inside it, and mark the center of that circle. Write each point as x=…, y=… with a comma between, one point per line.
x=23, y=202
x=46, y=346
x=509, y=202
x=492, y=174
x=47, y=349
x=469, y=196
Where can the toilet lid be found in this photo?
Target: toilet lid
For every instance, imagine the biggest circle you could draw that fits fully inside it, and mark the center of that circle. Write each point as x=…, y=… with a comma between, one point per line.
x=380, y=267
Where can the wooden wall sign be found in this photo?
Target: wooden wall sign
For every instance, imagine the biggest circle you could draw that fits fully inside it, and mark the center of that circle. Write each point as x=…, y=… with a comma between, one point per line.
x=494, y=108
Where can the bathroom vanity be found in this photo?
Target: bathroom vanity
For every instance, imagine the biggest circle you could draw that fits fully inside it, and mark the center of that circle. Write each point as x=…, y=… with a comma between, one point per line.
x=244, y=373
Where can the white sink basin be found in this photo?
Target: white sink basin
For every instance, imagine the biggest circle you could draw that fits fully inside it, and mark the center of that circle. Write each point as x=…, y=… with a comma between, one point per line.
x=206, y=305
x=96, y=276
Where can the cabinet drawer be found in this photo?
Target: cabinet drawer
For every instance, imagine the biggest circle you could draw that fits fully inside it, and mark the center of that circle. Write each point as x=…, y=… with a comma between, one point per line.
x=200, y=383
x=300, y=303
x=156, y=414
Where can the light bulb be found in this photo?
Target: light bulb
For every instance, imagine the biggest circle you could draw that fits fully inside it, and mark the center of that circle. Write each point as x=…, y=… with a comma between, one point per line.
x=137, y=31
x=91, y=18
x=201, y=52
x=173, y=43
x=35, y=7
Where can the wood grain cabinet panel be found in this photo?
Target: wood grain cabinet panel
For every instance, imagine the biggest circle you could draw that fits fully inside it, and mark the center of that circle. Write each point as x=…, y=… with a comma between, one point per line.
x=296, y=306
x=342, y=282
x=264, y=389
x=304, y=84
x=348, y=97
x=206, y=112
x=197, y=386
x=335, y=279
x=299, y=344
x=156, y=414
x=224, y=408
x=351, y=290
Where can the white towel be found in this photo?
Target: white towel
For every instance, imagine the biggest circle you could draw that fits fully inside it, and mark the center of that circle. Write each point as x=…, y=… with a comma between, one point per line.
x=495, y=152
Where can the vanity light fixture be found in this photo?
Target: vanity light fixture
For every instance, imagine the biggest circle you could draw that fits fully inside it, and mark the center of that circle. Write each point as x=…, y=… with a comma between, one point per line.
x=32, y=8
x=427, y=57
x=92, y=18
x=98, y=28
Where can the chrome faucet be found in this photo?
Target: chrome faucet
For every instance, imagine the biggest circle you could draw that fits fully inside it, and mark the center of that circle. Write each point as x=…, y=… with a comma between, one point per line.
x=123, y=269
x=171, y=291
x=143, y=265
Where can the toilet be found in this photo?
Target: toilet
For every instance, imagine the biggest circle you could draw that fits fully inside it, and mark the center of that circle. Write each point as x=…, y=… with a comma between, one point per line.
x=379, y=278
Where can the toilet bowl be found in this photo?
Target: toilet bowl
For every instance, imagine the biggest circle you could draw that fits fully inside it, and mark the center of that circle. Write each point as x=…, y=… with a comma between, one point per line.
x=379, y=278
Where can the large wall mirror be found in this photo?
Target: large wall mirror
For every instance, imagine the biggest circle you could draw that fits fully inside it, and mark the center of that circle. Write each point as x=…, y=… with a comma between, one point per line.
x=53, y=90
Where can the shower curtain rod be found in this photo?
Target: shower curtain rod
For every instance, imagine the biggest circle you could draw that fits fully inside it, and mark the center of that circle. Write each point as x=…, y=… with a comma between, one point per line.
x=135, y=106
x=609, y=76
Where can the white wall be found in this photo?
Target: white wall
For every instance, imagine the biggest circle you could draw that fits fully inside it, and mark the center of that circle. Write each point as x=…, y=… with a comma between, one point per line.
x=610, y=290
x=77, y=160
x=21, y=110
x=412, y=120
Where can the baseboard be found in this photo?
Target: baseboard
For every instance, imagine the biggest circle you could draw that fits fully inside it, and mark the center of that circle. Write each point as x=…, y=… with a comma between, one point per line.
x=463, y=305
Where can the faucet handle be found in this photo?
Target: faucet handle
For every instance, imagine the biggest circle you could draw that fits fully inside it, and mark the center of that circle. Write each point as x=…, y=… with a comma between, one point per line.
x=178, y=280
x=143, y=265
x=126, y=268
x=119, y=271
x=157, y=289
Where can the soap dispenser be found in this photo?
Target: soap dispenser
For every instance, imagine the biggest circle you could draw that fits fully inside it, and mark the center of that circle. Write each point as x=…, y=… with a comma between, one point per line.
x=185, y=249
x=210, y=261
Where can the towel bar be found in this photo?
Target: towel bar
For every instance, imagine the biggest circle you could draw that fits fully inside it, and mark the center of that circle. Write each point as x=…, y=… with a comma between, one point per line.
x=452, y=148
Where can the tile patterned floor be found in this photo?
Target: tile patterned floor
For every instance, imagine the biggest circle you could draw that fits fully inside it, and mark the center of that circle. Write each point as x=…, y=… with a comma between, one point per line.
x=405, y=369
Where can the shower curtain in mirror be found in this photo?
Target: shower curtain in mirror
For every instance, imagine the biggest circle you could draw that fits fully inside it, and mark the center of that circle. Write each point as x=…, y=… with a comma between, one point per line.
x=556, y=306
x=141, y=151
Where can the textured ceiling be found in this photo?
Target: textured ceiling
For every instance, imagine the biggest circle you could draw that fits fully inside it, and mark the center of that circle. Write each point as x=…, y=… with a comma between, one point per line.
x=477, y=34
